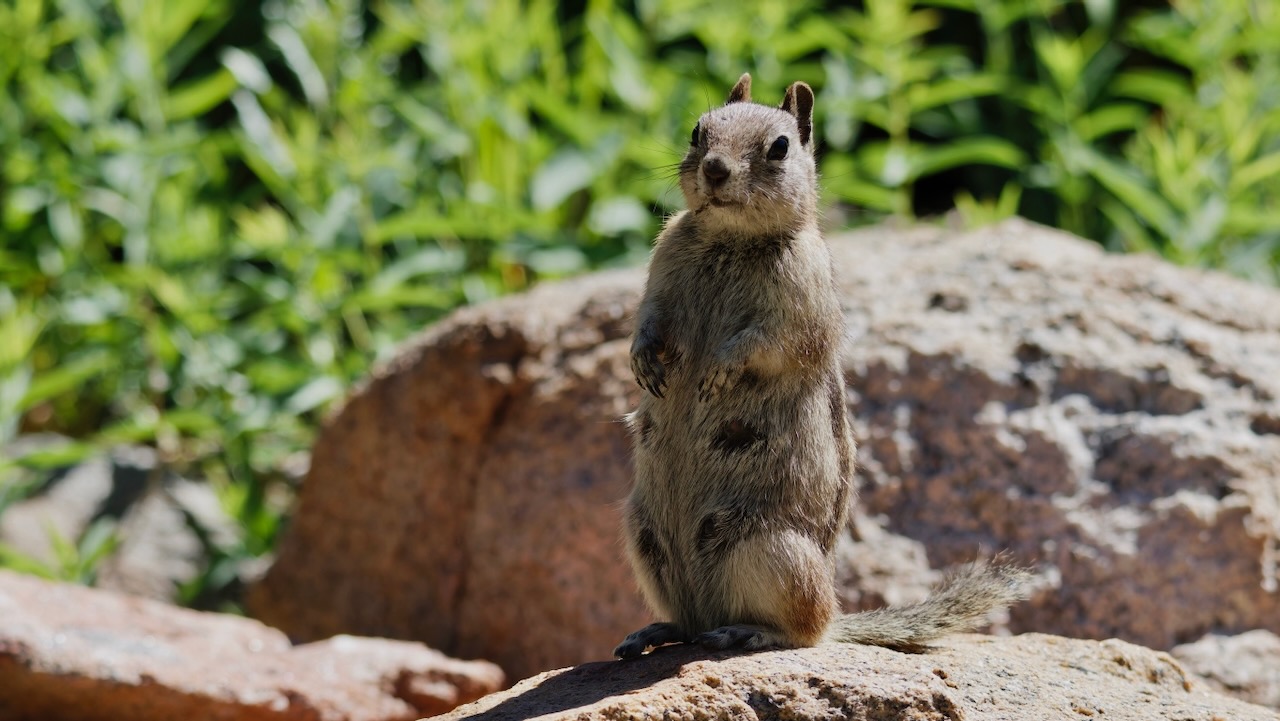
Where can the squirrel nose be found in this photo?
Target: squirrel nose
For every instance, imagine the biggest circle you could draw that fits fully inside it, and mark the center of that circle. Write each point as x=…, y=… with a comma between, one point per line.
x=715, y=171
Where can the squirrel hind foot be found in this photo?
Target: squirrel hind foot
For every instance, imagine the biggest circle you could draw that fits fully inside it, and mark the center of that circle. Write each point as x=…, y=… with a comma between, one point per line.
x=742, y=636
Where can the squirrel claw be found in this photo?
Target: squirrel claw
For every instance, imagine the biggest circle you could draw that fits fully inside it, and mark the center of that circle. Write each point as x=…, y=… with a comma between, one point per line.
x=655, y=391
x=720, y=378
x=649, y=372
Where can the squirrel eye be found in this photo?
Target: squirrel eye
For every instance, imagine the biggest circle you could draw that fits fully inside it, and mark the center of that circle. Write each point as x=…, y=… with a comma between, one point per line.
x=778, y=150
x=694, y=139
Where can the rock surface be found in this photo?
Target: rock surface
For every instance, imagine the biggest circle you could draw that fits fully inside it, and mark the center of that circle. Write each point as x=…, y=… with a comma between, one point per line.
x=1246, y=666
x=968, y=677
x=1113, y=419
x=77, y=654
x=157, y=519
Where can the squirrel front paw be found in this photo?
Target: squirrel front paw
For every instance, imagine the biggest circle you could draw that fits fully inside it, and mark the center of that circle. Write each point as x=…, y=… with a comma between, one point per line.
x=720, y=378
x=650, y=374
x=651, y=636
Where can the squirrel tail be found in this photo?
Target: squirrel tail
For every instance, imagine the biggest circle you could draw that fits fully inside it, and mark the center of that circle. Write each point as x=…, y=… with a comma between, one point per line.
x=960, y=603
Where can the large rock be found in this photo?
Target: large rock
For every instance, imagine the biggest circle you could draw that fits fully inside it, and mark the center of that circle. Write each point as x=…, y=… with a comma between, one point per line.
x=76, y=654
x=1113, y=419
x=968, y=677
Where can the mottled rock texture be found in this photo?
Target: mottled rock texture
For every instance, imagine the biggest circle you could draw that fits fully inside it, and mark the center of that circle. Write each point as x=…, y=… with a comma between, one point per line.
x=975, y=678
x=76, y=654
x=1113, y=419
x=1246, y=666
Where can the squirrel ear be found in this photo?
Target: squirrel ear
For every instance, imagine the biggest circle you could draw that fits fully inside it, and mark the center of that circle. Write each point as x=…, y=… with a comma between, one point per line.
x=799, y=102
x=741, y=92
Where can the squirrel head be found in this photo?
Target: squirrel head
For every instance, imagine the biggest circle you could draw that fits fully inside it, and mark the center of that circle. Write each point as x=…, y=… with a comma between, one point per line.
x=750, y=167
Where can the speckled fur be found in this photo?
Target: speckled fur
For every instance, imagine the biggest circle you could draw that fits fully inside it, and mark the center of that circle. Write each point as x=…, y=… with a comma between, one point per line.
x=743, y=451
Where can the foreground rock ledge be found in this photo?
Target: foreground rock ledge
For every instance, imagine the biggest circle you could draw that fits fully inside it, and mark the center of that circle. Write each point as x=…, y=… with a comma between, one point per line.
x=968, y=677
x=69, y=653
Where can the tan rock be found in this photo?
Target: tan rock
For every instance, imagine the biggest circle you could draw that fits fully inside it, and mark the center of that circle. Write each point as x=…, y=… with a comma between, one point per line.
x=975, y=678
x=78, y=654
x=1246, y=666
x=1114, y=419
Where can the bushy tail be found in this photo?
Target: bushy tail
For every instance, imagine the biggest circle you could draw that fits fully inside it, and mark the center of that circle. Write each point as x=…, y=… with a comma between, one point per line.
x=960, y=603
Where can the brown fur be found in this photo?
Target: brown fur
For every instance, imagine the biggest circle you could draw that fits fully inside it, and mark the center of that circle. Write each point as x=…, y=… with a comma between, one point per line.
x=743, y=451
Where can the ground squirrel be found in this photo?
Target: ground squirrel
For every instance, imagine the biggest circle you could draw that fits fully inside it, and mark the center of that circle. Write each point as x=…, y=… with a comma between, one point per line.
x=743, y=451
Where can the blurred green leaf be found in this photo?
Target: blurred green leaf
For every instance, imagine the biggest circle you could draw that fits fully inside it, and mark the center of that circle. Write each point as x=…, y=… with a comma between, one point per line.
x=1262, y=170
x=200, y=95
x=262, y=137
x=1130, y=190
x=1159, y=87
x=247, y=69
x=1110, y=119
x=969, y=151
x=314, y=394
x=16, y=560
x=950, y=90
x=301, y=63
x=563, y=174
x=66, y=377
x=613, y=216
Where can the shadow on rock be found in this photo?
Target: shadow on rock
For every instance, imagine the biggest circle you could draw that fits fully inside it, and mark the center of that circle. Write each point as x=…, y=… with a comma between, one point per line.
x=582, y=686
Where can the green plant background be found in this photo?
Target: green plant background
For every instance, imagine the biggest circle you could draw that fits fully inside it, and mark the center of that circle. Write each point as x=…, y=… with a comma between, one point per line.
x=217, y=215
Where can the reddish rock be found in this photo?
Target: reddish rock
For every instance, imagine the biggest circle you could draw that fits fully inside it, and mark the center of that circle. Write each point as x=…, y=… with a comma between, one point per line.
x=78, y=654
x=1113, y=419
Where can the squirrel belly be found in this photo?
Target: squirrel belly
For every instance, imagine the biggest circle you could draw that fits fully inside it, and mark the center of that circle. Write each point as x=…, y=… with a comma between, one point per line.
x=742, y=443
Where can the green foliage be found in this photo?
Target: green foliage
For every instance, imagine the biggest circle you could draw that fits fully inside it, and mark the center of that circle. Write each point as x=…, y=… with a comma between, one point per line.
x=1204, y=182
x=72, y=561
x=216, y=215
